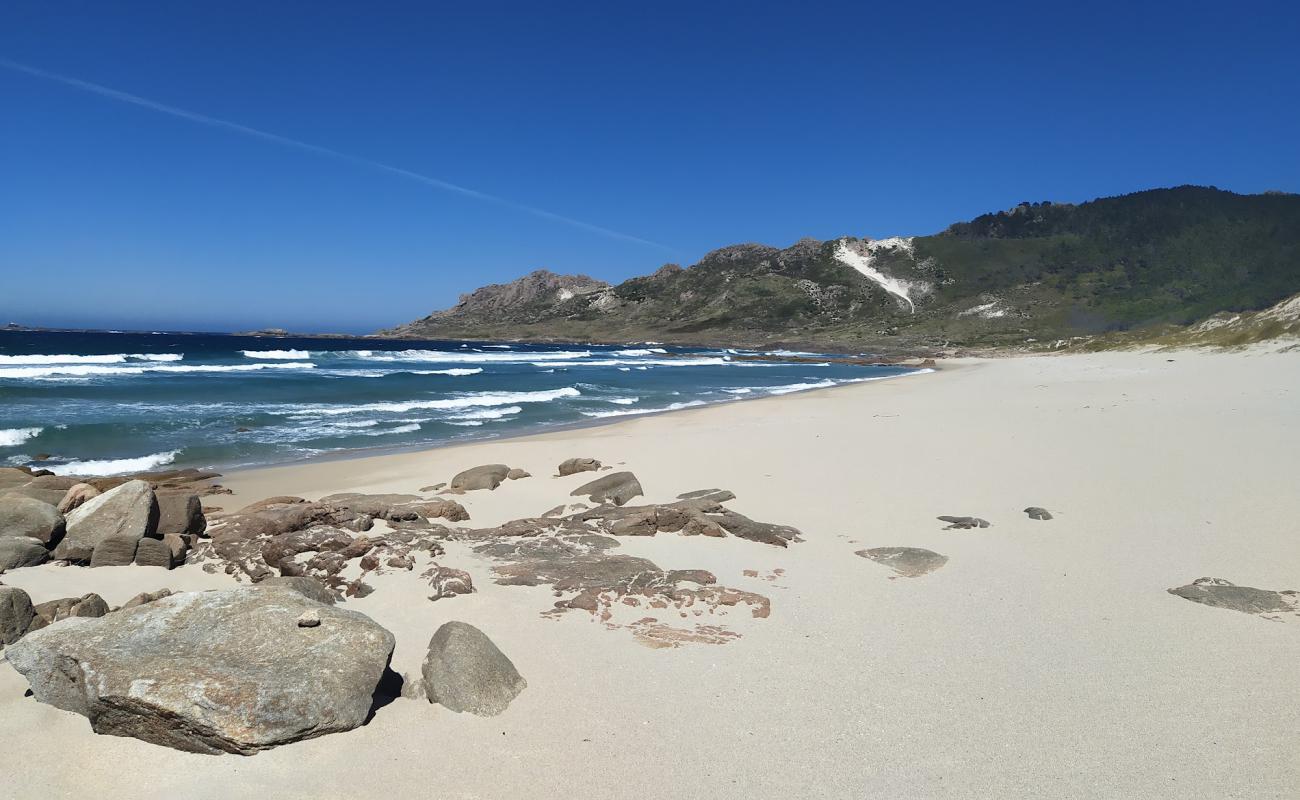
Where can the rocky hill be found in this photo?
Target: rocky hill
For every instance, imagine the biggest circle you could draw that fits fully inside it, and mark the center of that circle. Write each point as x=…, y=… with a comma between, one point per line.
x=1035, y=273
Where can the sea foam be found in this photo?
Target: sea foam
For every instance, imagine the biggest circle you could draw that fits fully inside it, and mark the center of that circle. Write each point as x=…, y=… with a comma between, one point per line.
x=119, y=466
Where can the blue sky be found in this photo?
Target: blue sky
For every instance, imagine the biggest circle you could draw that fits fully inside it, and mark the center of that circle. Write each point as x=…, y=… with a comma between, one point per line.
x=687, y=125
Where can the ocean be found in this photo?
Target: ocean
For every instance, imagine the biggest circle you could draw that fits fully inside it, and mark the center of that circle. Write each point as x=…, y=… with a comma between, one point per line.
x=111, y=403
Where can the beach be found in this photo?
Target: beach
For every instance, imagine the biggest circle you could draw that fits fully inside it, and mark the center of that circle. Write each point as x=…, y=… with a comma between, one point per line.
x=1044, y=659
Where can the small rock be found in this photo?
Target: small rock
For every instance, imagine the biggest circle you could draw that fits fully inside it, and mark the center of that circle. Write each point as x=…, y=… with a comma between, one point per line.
x=435, y=487
x=963, y=523
x=77, y=496
x=572, y=466
x=516, y=473
x=1035, y=512
x=309, y=619
x=465, y=671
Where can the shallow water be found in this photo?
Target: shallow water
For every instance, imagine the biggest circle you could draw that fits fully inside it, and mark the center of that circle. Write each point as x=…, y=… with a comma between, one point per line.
x=107, y=403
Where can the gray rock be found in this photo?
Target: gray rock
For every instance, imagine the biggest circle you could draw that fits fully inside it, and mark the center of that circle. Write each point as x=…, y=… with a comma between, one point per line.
x=128, y=511
x=115, y=551
x=144, y=598
x=11, y=477
x=56, y=482
x=89, y=605
x=517, y=474
x=16, y=614
x=211, y=672
x=488, y=476
x=910, y=562
x=21, y=551
x=178, y=546
x=180, y=513
x=963, y=523
x=464, y=671
x=77, y=496
x=50, y=497
x=150, y=553
x=307, y=586
x=27, y=517
x=616, y=488
x=708, y=495
x=1035, y=512
x=571, y=466
x=1220, y=593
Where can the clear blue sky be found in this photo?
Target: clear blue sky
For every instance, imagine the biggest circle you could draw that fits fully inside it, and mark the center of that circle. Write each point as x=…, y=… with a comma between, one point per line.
x=689, y=125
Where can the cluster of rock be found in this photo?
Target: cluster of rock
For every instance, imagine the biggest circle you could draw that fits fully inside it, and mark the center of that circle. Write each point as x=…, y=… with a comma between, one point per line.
x=147, y=520
x=239, y=670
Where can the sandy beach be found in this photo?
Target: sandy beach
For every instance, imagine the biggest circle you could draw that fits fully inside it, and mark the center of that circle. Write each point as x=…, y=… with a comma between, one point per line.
x=1044, y=659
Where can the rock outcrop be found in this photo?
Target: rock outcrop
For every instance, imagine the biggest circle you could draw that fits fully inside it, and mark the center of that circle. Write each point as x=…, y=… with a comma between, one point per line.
x=465, y=671
x=616, y=488
x=213, y=672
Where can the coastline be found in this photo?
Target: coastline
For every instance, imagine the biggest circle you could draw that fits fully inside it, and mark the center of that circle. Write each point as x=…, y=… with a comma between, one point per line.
x=1043, y=658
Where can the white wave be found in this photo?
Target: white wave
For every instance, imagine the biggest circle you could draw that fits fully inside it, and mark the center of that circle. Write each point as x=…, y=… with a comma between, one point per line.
x=488, y=413
x=640, y=352
x=624, y=369
x=622, y=401
x=90, y=370
x=412, y=428
x=469, y=423
x=118, y=466
x=738, y=391
x=442, y=356
x=12, y=437
x=365, y=423
x=284, y=355
x=801, y=387
x=658, y=362
x=457, y=371
x=483, y=399
x=498, y=346
x=634, y=411
x=114, y=358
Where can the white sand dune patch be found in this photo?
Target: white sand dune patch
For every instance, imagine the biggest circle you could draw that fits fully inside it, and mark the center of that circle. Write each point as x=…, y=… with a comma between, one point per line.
x=864, y=263
x=118, y=466
x=12, y=437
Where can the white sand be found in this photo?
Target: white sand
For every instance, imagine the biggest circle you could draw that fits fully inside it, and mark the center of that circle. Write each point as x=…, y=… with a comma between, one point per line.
x=1044, y=660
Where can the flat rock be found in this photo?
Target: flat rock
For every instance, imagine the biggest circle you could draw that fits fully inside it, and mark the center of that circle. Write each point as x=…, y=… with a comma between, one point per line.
x=16, y=614
x=963, y=523
x=465, y=671
x=30, y=518
x=616, y=488
x=21, y=551
x=129, y=511
x=214, y=672
x=572, y=466
x=1035, y=512
x=1220, y=593
x=910, y=562
x=488, y=476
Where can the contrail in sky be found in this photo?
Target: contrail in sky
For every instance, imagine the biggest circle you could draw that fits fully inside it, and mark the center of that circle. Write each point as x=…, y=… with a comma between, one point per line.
x=203, y=119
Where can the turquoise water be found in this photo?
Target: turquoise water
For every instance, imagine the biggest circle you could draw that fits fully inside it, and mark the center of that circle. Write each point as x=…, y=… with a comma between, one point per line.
x=104, y=403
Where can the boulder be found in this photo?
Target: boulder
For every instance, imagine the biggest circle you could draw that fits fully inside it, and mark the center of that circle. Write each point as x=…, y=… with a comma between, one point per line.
x=910, y=562
x=25, y=517
x=178, y=546
x=488, y=476
x=11, y=477
x=465, y=671
x=616, y=488
x=516, y=474
x=88, y=605
x=16, y=614
x=21, y=551
x=50, y=497
x=1035, y=512
x=128, y=511
x=572, y=466
x=151, y=553
x=77, y=496
x=180, y=513
x=115, y=551
x=225, y=671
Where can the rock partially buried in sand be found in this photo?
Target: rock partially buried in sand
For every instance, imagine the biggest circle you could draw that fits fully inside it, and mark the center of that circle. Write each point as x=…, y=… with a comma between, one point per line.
x=16, y=614
x=572, y=466
x=963, y=523
x=213, y=672
x=29, y=518
x=1035, y=512
x=488, y=476
x=1220, y=593
x=910, y=562
x=518, y=474
x=465, y=671
x=616, y=488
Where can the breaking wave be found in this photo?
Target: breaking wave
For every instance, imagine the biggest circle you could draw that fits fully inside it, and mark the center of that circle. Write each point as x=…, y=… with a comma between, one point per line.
x=119, y=466
x=115, y=358
x=483, y=399
x=12, y=437
x=276, y=354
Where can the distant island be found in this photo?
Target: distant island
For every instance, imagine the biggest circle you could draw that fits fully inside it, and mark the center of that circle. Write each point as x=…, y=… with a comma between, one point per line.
x=1038, y=274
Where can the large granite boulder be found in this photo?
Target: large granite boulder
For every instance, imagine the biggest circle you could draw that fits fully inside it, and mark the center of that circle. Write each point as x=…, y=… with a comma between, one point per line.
x=616, y=488
x=488, y=476
x=129, y=511
x=180, y=513
x=16, y=614
x=465, y=671
x=227, y=671
x=572, y=466
x=31, y=518
x=21, y=551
